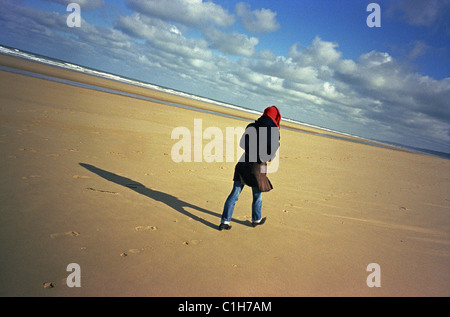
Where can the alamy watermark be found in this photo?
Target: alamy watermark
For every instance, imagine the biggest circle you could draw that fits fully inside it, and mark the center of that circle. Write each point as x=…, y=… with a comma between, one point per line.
x=74, y=18
x=74, y=278
x=374, y=278
x=190, y=147
x=374, y=18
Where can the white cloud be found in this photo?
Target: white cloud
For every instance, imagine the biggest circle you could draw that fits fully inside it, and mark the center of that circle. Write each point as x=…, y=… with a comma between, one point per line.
x=175, y=30
x=163, y=36
x=319, y=53
x=263, y=20
x=189, y=12
x=285, y=68
x=234, y=43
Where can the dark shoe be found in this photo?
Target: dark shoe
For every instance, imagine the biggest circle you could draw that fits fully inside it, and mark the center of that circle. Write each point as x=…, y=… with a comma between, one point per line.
x=254, y=224
x=224, y=226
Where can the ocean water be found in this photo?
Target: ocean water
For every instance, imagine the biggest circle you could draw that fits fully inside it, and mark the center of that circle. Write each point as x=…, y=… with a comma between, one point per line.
x=90, y=71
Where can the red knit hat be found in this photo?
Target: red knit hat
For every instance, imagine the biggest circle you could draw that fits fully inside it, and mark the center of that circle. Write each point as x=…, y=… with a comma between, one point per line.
x=273, y=113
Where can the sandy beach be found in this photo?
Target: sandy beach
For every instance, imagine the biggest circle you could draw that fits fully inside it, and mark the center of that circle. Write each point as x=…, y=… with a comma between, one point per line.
x=88, y=178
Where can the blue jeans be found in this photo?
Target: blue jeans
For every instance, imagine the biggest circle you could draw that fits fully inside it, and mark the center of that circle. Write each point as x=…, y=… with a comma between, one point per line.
x=228, y=208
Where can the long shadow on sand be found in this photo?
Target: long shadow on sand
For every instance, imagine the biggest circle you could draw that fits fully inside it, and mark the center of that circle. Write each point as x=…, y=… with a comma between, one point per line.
x=169, y=200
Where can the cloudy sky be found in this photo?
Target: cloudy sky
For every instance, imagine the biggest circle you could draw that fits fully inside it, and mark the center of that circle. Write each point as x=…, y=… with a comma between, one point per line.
x=317, y=60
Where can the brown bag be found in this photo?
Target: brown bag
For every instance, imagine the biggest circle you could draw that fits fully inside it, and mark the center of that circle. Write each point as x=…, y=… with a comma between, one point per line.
x=260, y=171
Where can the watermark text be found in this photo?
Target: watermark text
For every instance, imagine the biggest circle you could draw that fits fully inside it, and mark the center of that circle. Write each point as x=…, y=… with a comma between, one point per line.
x=74, y=18
x=261, y=145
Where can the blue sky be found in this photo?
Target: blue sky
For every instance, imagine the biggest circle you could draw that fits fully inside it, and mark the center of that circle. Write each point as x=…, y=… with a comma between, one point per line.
x=318, y=61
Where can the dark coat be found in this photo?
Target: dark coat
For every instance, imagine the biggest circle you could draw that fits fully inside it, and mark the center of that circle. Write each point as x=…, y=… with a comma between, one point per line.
x=250, y=170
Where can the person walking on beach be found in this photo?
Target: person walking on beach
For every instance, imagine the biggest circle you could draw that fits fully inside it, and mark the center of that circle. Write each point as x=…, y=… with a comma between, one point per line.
x=260, y=142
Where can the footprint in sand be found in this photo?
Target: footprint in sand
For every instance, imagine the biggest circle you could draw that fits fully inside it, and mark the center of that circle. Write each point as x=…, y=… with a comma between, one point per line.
x=192, y=242
x=48, y=285
x=145, y=228
x=64, y=234
x=52, y=155
x=132, y=251
x=22, y=131
x=28, y=150
x=31, y=176
x=80, y=176
x=116, y=153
